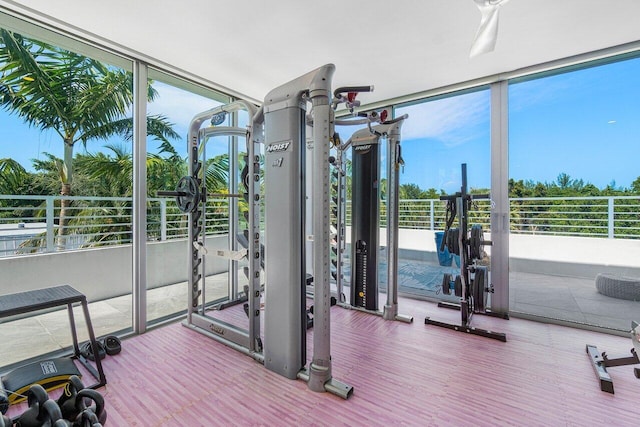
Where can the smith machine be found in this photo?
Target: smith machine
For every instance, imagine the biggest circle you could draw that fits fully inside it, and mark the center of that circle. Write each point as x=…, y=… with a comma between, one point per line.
x=472, y=284
x=280, y=124
x=365, y=213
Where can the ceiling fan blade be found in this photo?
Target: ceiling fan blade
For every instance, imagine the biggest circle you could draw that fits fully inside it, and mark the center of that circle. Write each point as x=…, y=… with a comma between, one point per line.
x=487, y=34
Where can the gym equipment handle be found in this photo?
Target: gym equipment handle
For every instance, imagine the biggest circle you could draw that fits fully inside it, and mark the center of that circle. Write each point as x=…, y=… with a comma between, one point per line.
x=396, y=120
x=343, y=89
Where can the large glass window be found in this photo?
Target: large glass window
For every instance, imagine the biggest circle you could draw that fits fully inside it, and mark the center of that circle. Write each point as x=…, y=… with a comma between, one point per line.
x=438, y=137
x=177, y=102
x=574, y=141
x=65, y=187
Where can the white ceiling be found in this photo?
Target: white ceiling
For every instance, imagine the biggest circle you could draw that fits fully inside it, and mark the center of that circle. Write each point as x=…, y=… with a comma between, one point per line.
x=401, y=47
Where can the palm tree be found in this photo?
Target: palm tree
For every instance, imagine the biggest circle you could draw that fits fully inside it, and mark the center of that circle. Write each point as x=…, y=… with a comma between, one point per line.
x=79, y=98
x=12, y=176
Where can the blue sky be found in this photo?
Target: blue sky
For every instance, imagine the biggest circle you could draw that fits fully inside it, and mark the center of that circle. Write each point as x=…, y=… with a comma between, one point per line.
x=584, y=123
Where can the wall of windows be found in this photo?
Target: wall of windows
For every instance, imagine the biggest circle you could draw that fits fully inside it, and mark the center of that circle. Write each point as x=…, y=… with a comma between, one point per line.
x=67, y=188
x=440, y=135
x=66, y=191
x=573, y=183
x=177, y=101
x=574, y=141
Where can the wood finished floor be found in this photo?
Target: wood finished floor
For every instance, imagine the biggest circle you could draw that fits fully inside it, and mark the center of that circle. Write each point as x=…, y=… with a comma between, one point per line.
x=403, y=374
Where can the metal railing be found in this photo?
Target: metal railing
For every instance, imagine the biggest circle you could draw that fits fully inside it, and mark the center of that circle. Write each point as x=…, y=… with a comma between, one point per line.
x=31, y=224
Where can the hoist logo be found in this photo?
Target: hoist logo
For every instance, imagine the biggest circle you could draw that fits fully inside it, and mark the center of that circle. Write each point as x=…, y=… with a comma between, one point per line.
x=280, y=146
x=362, y=147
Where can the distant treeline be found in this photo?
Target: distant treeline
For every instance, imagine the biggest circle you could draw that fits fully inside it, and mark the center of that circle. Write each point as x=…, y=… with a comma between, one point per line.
x=563, y=186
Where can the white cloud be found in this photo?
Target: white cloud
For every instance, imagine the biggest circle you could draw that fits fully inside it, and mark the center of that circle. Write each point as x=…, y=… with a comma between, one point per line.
x=178, y=105
x=452, y=120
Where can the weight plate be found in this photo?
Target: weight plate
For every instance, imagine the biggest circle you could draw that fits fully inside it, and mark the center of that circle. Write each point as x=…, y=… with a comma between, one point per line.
x=446, y=284
x=482, y=278
x=188, y=186
x=476, y=242
x=244, y=174
x=458, y=286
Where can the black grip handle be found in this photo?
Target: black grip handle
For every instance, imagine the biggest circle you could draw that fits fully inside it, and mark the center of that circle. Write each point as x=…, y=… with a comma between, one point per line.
x=343, y=89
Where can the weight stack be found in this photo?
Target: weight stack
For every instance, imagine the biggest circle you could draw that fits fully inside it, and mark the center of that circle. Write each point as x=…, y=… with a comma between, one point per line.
x=365, y=217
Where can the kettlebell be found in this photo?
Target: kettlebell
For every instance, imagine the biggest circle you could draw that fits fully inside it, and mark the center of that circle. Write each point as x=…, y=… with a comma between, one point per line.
x=34, y=415
x=97, y=405
x=67, y=400
x=87, y=419
x=52, y=416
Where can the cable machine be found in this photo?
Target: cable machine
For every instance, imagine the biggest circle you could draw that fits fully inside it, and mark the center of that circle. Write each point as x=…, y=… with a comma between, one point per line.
x=365, y=214
x=472, y=284
x=280, y=124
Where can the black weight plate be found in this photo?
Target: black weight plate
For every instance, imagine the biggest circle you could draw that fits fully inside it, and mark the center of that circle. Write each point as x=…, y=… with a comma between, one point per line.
x=188, y=185
x=480, y=294
x=244, y=176
x=446, y=280
x=476, y=242
x=458, y=286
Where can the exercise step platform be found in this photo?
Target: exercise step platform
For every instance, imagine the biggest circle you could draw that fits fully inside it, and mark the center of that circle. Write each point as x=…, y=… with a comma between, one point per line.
x=48, y=369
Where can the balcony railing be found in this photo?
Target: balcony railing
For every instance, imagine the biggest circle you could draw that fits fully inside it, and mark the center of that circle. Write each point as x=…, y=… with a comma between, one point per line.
x=31, y=224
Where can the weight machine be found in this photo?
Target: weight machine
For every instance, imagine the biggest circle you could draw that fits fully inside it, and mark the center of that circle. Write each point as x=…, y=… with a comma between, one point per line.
x=365, y=214
x=191, y=197
x=280, y=124
x=472, y=284
x=601, y=362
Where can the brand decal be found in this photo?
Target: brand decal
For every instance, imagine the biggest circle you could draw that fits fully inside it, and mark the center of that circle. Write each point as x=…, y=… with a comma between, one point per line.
x=362, y=147
x=216, y=329
x=280, y=146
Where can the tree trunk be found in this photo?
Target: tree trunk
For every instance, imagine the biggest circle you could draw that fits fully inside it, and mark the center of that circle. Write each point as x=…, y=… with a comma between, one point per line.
x=66, y=177
x=65, y=190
